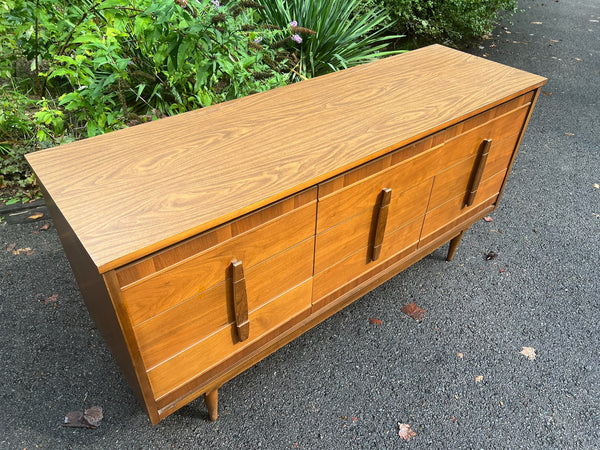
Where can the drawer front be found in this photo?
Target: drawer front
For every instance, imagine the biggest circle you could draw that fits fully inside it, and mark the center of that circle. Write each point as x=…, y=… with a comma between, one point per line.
x=171, y=332
x=452, y=212
x=223, y=343
x=361, y=196
x=333, y=278
x=455, y=179
x=340, y=241
x=162, y=290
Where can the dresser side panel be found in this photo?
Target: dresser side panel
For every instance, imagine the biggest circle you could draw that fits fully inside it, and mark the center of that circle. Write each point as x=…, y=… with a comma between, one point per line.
x=96, y=298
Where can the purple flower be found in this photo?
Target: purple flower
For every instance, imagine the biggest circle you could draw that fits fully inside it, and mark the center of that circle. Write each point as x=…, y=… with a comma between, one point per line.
x=296, y=38
x=293, y=23
x=215, y=4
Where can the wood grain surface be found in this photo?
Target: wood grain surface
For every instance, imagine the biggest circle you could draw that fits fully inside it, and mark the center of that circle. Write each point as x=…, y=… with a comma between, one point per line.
x=135, y=191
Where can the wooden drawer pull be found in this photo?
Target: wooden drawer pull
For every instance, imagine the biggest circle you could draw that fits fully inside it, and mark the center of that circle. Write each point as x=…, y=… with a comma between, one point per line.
x=382, y=214
x=240, y=300
x=472, y=191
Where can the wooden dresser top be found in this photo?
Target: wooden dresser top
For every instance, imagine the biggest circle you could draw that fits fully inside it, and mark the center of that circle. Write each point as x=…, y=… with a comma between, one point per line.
x=134, y=191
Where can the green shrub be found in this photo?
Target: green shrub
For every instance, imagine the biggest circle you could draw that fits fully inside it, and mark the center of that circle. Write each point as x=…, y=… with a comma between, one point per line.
x=112, y=63
x=331, y=34
x=446, y=21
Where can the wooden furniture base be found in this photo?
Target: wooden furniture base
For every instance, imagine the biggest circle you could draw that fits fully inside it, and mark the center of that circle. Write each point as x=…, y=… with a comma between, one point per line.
x=454, y=246
x=204, y=242
x=211, y=399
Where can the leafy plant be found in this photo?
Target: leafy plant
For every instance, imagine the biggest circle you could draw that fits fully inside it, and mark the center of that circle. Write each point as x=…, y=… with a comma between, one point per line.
x=17, y=183
x=337, y=33
x=447, y=21
x=15, y=121
x=106, y=64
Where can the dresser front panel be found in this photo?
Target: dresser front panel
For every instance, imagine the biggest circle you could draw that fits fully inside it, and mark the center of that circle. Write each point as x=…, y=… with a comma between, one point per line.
x=354, y=234
x=503, y=132
x=182, y=316
x=402, y=240
x=454, y=211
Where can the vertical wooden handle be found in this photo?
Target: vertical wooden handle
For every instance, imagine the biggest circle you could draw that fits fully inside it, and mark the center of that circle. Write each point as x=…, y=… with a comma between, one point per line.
x=240, y=300
x=474, y=185
x=382, y=214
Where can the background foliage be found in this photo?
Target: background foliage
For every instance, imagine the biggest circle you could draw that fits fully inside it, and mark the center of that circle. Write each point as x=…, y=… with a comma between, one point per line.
x=77, y=68
x=446, y=21
x=341, y=33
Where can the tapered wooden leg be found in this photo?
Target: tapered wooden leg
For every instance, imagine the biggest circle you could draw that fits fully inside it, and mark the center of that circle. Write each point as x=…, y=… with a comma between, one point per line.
x=212, y=404
x=453, y=246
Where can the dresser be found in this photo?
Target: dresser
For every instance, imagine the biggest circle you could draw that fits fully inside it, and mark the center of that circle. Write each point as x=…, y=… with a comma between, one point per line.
x=201, y=243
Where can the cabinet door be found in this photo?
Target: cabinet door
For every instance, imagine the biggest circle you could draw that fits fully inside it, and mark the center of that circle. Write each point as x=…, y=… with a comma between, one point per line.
x=217, y=294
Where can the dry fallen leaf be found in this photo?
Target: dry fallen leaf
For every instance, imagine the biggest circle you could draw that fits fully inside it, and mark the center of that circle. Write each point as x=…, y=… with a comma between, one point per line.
x=374, y=321
x=570, y=134
x=93, y=416
x=536, y=23
x=460, y=355
x=45, y=227
x=488, y=218
x=597, y=186
x=90, y=418
x=36, y=216
x=26, y=250
x=453, y=419
x=529, y=352
x=11, y=247
x=548, y=94
x=405, y=432
x=74, y=419
x=478, y=378
x=413, y=311
x=52, y=299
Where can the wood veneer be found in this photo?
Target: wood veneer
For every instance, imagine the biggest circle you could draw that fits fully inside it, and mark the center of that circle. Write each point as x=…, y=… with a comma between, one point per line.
x=276, y=210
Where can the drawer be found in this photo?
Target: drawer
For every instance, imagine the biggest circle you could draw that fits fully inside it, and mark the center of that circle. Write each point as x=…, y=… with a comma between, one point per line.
x=454, y=211
x=168, y=287
x=223, y=343
x=191, y=321
x=342, y=240
x=455, y=180
x=404, y=239
x=362, y=196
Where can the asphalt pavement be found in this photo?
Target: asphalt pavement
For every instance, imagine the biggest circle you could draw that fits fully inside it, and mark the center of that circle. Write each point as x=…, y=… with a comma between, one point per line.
x=457, y=377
